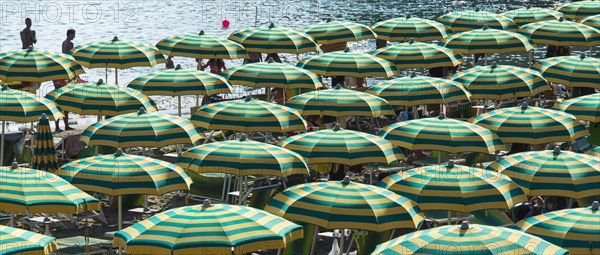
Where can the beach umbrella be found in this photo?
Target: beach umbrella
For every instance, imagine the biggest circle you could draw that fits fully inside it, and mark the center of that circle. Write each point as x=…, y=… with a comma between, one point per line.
x=208, y=229
x=146, y=129
x=274, y=39
x=461, y=21
x=530, y=14
x=26, y=190
x=561, y=33
x=579, y=9
x=272, y=74
x=455, y=187
x=592, y=21
x=595, y=152
x=37, y=66
x=577, y=230
x=531, y=125
x=17, y=241
x=488, y=40
x=583, y=107
x=330, y=32
x=248, y=115
x=346, y=63
x=201, y=46
x=552, y=173
x=418, y=90
x=100, y=99
x=443, y=134
x=342, y=146
x=500, y=82
x=413, y=54
x=571, y=71
x=405, y=28
x=180, y=82
x=468, y=239
x=44, y=151
x=117, y=54
x=123, y=174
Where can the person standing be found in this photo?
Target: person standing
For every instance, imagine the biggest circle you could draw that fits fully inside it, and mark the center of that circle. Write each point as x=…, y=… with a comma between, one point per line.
x=67, y=46
x=28, y=38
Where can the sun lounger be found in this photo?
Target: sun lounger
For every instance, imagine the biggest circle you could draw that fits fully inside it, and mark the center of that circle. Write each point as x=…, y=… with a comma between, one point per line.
x=79, y=245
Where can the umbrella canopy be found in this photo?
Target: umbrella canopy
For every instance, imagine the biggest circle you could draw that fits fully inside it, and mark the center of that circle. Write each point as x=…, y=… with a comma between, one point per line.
x=44, y=152
x=562, y=33
x=576, y=230
x=37, y=66
x=571, y=71
x=340, y=102
x=346, y=63
x=500, y=82
x=272, y=74
x=418, y=90
x=583, y=107
x=26, y=190
x=17, y=241
x=488, y=40
x=531, y=125
x=530, y=14
x=404, y=28
x=23, y=106
x=455, y=188
x=330, y=32
x=342, y=146
x=579, y=9
x=595, y=152
x=243, y=157
x=345, y=204
x=248, y=115
x=552, y=173
x=142, y=129
x=273, y=39
x=592, y=21
x=419, y=55
x=461, y=21
x=100, y=99
x=468, y=238
x=441, y=133
x=117, y=54
x=180, y=82
x=201, y=46
x=202, y=229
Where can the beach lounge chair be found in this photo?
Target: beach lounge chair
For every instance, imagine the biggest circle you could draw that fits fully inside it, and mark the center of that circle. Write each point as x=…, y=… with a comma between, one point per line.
x=83, y=245
x=261, y=195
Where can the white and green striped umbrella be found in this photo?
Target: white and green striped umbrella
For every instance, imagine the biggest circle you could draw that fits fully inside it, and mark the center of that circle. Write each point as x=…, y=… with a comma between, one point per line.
x=180, y=82
x=23, y=106
x=530, y=14
x=461, y=21
x=592, y=21
x=488, y=40
x=274, y=39
x=346, y=63
x=117, y=54
x=573, y=71
x=17, y=241
x=579, y=9
x=330, y=32
x=595, y=152
x=404, y=28
x=37, y=66
x=584, y=107
x=272, y=74
x=561, y=33
x=413, y=54
x=201, y=46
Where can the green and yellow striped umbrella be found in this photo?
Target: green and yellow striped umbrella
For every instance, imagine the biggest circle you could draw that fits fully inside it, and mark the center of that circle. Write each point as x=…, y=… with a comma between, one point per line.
x=100, y=99
x=180, y=82
x=243, y=157
x=595, y=152
x=579, y=9
x=273, y=39
x=28, y=190
x=208, y=229
x=552, y=173
x=248, y=115
x=404, y=28
x=345, y=204
x=455, y=187
x=500, y=82
x=531, y=125
x=592, y=21
x=272, y=74
x=330, y=32
x=418, y=90
x=346, y=63
x=488, y=40
x=419, y=55
x=21, y=106
x=201, y=46
x=117, y=54
x=583, y=107
x=561, y=33
x=468, y=239
x=44, y=151
x=461, y=21
x=17, y=241
x=532, y=14
x=571, y=71
x=441, y=133
x=342, y=146
x=577, y=230
x=37, y=66
x=340, y=102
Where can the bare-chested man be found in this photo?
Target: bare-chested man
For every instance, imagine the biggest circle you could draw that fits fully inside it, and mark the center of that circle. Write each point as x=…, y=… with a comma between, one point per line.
x=67, y=45
x=27, y=35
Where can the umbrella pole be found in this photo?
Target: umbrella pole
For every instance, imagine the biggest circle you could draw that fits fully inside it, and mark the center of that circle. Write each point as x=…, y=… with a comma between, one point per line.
x=439, y=157
x=312, y=246
x=120, y=215
x=241, y=188
x=116, y=77
x=106, y=73
x=12, y=220
x=179, y=103
x=2, y=146
x=449, y=217
x=485, y=59
x=342, y=238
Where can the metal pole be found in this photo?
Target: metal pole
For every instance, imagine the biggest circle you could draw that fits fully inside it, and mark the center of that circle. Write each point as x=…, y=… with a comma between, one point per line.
x=2, y=145
x=116, y=77
x=312, y=247
x=179, y=103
